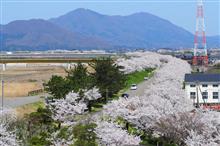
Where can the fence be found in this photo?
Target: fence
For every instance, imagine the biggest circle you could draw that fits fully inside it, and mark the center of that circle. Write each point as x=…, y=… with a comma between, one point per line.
x=35, y=92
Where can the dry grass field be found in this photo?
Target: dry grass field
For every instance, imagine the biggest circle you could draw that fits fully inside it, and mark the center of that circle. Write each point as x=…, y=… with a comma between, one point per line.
x=16, y=89
x=28, y=108
x=18, y=81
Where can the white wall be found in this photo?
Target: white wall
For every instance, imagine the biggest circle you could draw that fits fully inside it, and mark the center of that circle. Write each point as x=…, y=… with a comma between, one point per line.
x=210, y=89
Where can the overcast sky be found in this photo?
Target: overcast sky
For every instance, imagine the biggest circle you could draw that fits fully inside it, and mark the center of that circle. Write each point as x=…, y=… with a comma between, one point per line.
x=179, y=12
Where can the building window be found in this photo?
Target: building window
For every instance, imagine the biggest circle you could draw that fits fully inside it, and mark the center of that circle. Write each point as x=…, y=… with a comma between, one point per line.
x=215, y=85
x=204, y=95
x=192, y=95
x=192, y=85
x=215, y=95
x=204, y=85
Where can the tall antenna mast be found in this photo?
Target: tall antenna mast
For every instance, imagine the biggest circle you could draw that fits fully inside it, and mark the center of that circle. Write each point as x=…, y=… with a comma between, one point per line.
x=200, y=56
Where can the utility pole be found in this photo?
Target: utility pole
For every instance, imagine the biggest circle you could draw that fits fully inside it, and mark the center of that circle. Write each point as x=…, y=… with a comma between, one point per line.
x=197, y=95
x=2, y=94
x=106, y=96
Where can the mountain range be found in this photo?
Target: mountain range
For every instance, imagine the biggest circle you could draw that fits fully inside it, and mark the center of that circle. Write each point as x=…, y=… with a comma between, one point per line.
x=83, y=29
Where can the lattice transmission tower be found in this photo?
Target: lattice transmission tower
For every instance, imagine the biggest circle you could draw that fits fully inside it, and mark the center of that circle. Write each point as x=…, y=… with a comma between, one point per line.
x=200, y=56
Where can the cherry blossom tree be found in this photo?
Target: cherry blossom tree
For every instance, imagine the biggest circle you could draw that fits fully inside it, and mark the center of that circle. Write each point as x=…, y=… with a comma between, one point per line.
x=137, y=61
x=7, y=137
x=73, y=104
x=60, y=141
x=208, y=132
x=195, y=139
x=164, y=106
x=92, y=94
x=111, y=134
x=64, y=109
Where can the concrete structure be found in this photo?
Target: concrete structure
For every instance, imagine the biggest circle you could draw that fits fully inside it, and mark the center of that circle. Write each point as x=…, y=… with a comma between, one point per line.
x=203, y=89
x=49, y=58
x=3, y=66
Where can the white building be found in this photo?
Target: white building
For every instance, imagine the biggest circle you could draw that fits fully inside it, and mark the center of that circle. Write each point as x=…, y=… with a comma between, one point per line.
x=203, y=88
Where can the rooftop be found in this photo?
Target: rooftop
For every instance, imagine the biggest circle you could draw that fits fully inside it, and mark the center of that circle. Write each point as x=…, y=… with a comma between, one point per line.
x=199, y=77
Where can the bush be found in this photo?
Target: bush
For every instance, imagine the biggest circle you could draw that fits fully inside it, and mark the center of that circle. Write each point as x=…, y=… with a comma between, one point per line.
x=35, y=129
x=149, y=140
x=39, y=140
x=63, y=133
x=85, y=135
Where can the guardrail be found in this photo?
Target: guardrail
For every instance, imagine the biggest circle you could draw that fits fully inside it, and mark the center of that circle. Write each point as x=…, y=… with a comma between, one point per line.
x=44, y=60
x=47, y=59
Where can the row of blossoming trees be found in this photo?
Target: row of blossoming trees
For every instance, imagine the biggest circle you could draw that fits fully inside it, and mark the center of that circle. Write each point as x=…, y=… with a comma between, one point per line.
x=162, y=113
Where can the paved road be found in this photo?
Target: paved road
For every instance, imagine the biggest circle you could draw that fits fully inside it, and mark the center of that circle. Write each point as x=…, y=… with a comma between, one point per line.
x=140, y=88
x=20, y=101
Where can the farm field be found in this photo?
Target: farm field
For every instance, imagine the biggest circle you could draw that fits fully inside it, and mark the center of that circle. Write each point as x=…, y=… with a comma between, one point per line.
x=19, y=81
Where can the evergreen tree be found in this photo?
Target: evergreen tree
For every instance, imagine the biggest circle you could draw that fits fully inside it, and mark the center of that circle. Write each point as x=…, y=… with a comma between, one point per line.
x=107, y=76
x=57, y=86
x=78, y=78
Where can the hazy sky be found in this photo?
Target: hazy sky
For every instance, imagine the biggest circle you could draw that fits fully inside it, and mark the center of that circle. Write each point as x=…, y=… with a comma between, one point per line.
x=180, y=12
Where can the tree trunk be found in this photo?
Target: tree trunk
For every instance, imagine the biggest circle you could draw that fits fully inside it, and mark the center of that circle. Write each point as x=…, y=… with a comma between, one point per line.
x=59, y=125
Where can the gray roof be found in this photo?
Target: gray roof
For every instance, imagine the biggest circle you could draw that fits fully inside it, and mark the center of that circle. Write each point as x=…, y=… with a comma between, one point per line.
x=199, y=77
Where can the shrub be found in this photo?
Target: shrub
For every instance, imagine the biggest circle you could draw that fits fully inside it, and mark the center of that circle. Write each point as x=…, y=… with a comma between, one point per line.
x=85, y=135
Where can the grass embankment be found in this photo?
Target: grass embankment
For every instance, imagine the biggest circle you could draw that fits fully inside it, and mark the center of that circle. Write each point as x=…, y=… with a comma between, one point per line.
x=132, y=78
x=214, y=69
x=137, y=77
x=29, y=108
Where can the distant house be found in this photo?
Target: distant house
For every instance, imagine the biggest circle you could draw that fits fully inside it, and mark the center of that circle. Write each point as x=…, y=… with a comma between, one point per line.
x=204, y=86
